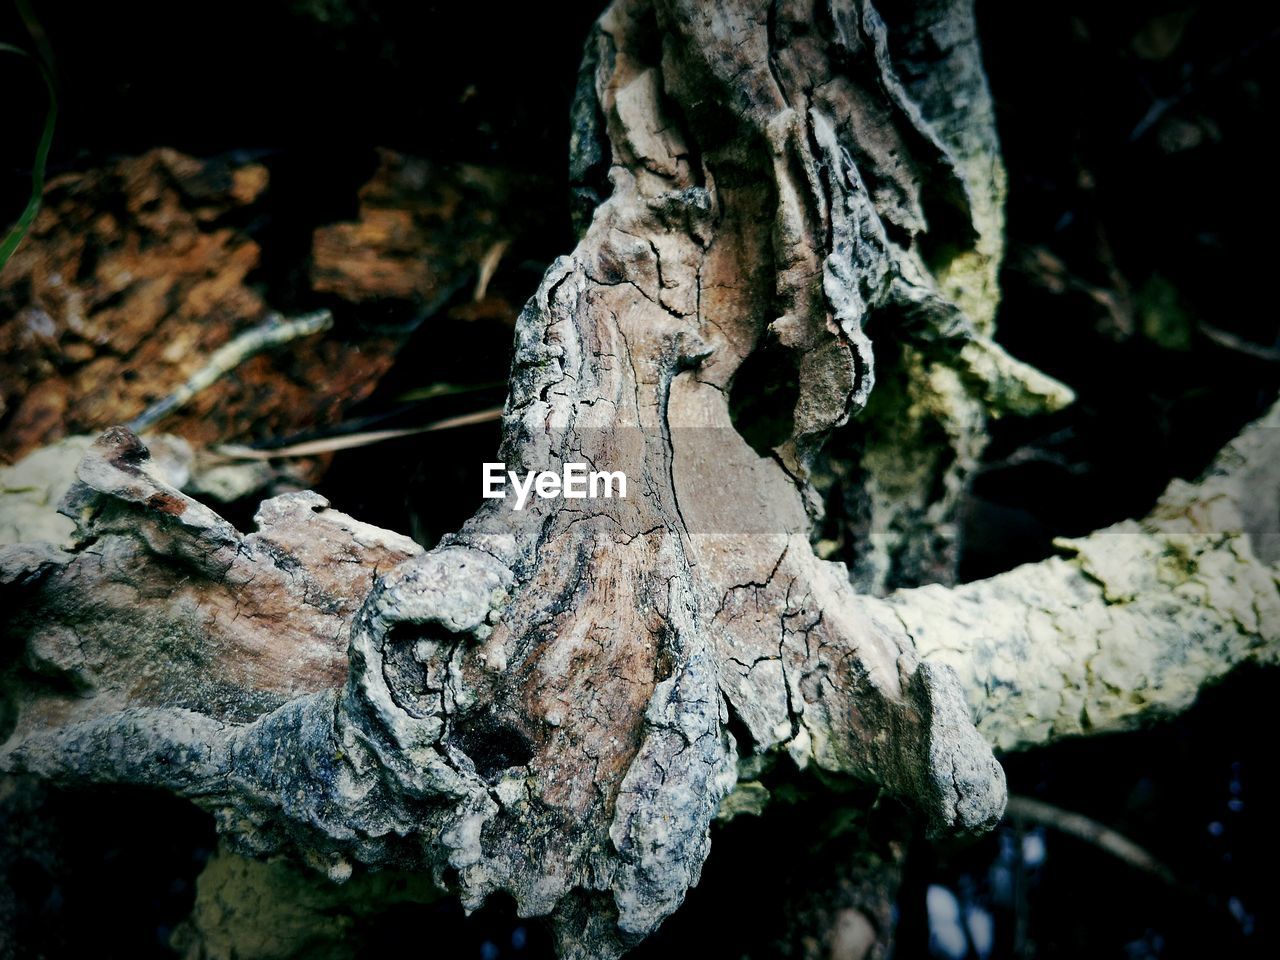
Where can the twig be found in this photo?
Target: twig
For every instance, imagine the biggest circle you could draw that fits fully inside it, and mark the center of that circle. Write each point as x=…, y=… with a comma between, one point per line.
x=274, y=332
x=1163, y=105
x=447, y=390
x=346, y=442
x=1091, y=831
x=1224, y=338
x=488, y=266
x=1031, y=454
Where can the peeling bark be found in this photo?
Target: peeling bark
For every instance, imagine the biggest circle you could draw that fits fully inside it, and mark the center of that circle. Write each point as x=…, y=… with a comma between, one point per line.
x=554, y=702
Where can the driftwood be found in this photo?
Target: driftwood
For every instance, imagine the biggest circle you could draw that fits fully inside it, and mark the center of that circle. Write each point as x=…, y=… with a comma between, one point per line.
x=555, y=702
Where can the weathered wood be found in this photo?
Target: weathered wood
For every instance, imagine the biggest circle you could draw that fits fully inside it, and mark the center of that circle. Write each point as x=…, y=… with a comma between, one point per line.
x=160, y=602
x=554, y=702
x=1133, y=620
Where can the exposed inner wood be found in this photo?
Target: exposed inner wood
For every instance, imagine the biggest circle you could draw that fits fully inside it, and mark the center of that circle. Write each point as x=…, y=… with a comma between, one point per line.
x=555, y=701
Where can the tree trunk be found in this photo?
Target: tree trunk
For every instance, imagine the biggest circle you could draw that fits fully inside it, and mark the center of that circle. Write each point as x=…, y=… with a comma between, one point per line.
x=555, y=702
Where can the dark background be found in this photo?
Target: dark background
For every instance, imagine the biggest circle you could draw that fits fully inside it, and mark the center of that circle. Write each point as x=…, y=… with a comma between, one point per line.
x=1142, y=210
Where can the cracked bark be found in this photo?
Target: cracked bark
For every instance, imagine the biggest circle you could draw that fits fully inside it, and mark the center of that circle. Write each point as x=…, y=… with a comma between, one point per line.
x=554, y=703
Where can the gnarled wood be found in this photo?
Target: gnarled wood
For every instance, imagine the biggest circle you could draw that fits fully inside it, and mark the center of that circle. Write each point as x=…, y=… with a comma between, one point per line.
x=1133, y=621
x=554, y=702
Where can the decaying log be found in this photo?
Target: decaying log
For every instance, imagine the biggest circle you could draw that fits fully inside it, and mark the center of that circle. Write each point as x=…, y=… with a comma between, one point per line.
x=131, y=276
x=136, y=273
x=554, y=701
x=409, y=206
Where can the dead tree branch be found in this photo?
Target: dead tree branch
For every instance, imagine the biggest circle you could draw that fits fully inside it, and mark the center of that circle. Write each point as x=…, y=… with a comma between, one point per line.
x=553, y=702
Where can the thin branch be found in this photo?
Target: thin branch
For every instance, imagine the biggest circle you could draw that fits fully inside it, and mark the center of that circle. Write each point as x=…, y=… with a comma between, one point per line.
x=488, y=267
x=1089, y=830
x=1132, y=621
x=1231, y=341
x=349, y=441
x=274, y=332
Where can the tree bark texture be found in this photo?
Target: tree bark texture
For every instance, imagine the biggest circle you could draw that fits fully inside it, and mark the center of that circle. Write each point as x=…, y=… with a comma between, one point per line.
x=555, y=702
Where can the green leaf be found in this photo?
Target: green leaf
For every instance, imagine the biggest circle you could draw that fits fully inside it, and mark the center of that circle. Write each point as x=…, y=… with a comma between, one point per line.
x=44, y=64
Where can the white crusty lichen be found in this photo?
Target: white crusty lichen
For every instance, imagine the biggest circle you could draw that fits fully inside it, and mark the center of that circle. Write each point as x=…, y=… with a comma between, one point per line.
x=1130, y=622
